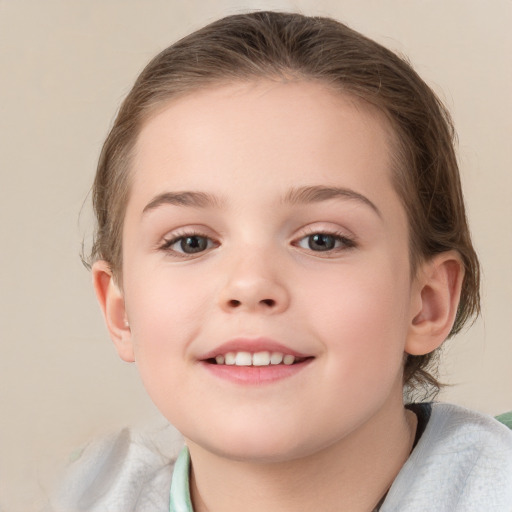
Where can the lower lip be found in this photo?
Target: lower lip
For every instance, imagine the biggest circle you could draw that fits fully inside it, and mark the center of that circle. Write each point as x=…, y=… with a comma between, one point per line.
x=254, y=375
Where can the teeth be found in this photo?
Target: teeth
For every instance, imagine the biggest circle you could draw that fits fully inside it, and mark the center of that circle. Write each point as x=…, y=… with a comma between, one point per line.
x=288, y=359
x=276, y=358
x=256, y=359
x=243, y=359
x=261, y=359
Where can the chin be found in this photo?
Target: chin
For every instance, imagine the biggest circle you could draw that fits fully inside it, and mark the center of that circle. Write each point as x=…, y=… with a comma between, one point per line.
x=256, y=447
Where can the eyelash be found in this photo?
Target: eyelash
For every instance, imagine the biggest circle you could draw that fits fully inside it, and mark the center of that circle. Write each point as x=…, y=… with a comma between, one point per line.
x=167, y=245
x=345, y=242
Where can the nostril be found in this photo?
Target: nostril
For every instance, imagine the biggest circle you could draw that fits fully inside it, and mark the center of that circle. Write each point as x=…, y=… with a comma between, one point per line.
x=235, y=303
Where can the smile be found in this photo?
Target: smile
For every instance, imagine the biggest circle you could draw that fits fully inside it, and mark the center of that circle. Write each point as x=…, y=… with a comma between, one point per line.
x=263, y=358
x=254, y=361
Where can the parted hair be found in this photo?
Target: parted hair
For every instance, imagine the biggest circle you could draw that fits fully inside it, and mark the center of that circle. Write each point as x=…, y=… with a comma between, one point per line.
x=287, y=46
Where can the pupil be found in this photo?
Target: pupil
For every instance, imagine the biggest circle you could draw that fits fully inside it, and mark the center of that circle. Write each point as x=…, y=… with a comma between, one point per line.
x=192, y=244
x=321, y=242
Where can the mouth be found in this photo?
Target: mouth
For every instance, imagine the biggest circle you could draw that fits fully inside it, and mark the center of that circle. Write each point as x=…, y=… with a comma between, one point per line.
x=259, y=359
x=254, y=361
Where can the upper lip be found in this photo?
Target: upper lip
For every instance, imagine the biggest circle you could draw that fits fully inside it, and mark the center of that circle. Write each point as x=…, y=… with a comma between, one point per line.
x=252, y=345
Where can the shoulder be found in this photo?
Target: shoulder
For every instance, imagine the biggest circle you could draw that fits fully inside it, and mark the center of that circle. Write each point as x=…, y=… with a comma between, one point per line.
x=462, y=462
x=128, y=470
x=453, y=423
x=472, y=436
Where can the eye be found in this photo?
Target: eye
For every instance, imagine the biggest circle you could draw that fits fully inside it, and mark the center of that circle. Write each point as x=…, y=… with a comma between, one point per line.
x=189, y=244
x=323, y=242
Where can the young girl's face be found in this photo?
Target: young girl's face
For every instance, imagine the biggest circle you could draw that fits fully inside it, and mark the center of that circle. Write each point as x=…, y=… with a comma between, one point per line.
x=262, y=224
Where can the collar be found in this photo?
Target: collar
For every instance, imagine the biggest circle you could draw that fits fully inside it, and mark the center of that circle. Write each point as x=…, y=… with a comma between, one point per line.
x=180, y=489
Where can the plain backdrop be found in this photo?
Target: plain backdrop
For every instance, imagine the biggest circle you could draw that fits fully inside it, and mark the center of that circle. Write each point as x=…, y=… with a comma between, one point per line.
x=65, y=66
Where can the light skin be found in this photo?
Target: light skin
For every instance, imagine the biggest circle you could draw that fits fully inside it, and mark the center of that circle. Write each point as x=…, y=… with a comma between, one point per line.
x=297, y=236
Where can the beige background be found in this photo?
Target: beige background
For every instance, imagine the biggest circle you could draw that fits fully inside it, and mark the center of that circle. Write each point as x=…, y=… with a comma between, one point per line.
x=65, y=66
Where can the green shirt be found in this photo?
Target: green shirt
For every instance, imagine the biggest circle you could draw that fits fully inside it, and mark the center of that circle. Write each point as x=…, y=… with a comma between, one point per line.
x=180, y=489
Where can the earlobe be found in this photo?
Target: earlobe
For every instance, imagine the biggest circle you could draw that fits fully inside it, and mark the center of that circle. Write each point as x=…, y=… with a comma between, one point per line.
x=434, y=302
x=112, y=304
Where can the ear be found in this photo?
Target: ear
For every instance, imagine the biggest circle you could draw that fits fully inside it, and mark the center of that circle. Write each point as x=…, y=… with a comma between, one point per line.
x=112, y=304
x=434, y=302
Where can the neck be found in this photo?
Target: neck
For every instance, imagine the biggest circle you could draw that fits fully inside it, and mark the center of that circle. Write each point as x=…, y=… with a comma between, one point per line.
x=352, y=474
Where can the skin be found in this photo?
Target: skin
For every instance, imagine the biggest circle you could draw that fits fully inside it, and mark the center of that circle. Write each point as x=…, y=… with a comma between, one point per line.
x=337, y=428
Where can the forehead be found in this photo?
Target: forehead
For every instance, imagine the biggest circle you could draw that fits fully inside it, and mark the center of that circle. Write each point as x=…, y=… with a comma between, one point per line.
x=259, y=131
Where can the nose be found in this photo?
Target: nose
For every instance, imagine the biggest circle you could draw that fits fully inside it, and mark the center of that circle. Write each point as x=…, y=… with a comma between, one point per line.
x=254, y=286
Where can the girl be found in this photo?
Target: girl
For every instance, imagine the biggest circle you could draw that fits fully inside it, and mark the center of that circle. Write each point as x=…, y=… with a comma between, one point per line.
x=281, y=247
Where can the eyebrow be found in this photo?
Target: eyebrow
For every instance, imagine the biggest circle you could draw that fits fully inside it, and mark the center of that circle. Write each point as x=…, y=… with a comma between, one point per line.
x=318, y=193
x=190, y=199
x=297, y=195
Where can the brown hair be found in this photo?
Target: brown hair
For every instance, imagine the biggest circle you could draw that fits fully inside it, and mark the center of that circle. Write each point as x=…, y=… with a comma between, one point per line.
x=283, y=46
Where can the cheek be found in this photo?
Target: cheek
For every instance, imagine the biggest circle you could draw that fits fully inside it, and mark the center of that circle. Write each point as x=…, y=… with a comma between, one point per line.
x=361, y=315
x=164, y=315
x=161, y=327
x=345, y=298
